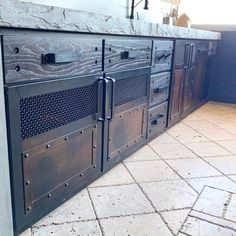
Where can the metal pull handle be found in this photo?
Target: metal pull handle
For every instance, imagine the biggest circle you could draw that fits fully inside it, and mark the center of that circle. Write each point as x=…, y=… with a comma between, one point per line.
x=160, y=89
x=186, y=55
x=112, y=80
x=155, y=121
x=127, y=55
x=191, y=55
x=167, y=55
x=53, y=58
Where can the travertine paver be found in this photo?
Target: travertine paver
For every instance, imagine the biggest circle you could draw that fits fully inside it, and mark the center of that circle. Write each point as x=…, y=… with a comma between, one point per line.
x=163, y=139
x=139, y=225
x=231, y=209
x=229, y=145
x=195, y=167
x=87, y=228
x=180, y=127
x=212, y=201
x=119, y=201
x=143, y=154
x=189, y=137
x=175, y=219
x=173, y=151
x=170, y=195
x=233, y=177
x=197, y=227
x=207, y=149
x=26, y=233
x=117, y=176
x=203, y=124
x=76, y=209
x=217, y=134
x=226, y=164
x=151, y=171
x=220, y=182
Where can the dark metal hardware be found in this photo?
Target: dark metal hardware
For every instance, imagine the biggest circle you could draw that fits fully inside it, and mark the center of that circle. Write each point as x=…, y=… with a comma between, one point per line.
x=52, y=58
x=186, y=55
x=127, y=55
x=155, y=122
x=167, y=55
x=133, y=6
x=160, y=90
x=191, y=55
x=112, y=80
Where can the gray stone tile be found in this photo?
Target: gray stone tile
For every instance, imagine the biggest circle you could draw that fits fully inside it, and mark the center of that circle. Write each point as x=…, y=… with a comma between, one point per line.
x=139, y=225
x=180, y=127
x=119, y=201
x=175, y=219
x=212, y=201
x=147, y=171
x=197, y=227
x=85, y=228
x=220, y=182
x=207, y=149
x=217, y=134
x=143, y=154
x=170, y=195
x=173, y=151
x=192, y=168
x=163, y=139
x=231, y=209
x=189, y=137
x=229, y=145
x=226, y=164
x=76, y=209
x=199, y=125
x=117, y=176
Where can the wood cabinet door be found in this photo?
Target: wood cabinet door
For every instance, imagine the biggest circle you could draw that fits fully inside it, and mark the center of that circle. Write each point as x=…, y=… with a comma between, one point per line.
x=176, y=99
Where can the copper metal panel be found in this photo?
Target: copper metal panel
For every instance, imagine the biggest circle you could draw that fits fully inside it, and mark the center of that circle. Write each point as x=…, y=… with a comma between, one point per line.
x=23, y=57
x=162, y=55
x=157, y=118
x=159, y=88
x=127, y=54
x=48, y=169
x=126, y=129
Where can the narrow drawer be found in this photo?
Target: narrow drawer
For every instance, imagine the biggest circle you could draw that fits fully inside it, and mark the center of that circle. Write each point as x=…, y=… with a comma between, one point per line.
x=127, y=54
x=35, y=58
x=159, y=88
x=162, y=55
x=157, y=118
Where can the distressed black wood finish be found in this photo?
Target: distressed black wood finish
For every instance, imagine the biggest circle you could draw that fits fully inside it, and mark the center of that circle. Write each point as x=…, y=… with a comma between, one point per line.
x=157, y=119
x=25, y=57
x=159, y=88
x=161, y=55
x=49, y=167
x=125, y=54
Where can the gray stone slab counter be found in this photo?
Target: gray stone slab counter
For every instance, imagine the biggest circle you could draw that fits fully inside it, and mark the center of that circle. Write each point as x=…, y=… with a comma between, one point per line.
x=33, y=16
x=6, y=227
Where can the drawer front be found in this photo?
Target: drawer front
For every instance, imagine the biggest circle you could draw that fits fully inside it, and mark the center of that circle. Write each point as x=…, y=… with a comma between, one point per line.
x=159, y=88
x=162, y=55
x=157, y=118
x=127, y=54
x=36, y=58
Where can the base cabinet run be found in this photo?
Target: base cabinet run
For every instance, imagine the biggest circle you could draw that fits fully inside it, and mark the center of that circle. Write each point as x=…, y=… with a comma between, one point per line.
x=78, y=104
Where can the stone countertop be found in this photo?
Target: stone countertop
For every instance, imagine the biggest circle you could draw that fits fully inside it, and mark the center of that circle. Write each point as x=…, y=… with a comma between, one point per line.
x=16, y=14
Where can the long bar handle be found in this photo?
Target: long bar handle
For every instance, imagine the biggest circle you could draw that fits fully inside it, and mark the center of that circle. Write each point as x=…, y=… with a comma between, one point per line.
x=112, y=80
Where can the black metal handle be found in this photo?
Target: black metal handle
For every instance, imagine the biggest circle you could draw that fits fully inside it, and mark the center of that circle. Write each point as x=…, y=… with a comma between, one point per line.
x=127, y=55
x=160, y=89
x=191, y=55
x=167, y=55
x=112, y=80
x=155, y=121
x=186, y=55
x=53, y=58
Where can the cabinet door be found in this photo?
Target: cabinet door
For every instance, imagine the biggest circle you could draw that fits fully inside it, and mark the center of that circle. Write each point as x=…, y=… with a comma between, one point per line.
x=176, y=99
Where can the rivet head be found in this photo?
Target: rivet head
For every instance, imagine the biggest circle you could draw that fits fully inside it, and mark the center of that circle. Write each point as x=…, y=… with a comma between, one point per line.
x=118, y=151
x=16, y=50
x=66, y=184
x=17, y=68
x=94, y=166
x=109, y=158
x=110, y=139
x=27, y=182
x=26, y=155
x=81, y=175
x=48, y=146
x=81, y=131
x=49, y=195
x=95, y=126
x=94, y=146
x=96, y=48
x=29, y=208
x=66, y=138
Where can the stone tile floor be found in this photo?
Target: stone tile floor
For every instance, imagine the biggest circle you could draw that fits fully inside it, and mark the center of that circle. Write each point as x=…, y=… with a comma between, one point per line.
x=181, y=183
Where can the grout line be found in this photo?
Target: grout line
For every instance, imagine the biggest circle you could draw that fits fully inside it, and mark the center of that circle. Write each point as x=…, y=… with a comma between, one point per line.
x=149, y=200
x=98, y=220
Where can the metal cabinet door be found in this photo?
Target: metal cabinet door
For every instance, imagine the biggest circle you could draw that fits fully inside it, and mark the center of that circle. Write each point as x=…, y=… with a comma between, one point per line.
x=126, y=124
x=55, y=140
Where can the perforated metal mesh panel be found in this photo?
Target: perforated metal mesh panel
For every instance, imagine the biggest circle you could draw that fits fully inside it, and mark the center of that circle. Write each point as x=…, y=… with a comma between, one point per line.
x=127, y=90
x=41, y=113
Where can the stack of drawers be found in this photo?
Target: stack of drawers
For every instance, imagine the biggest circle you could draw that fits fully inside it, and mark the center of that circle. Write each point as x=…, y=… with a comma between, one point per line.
x=159, y=86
